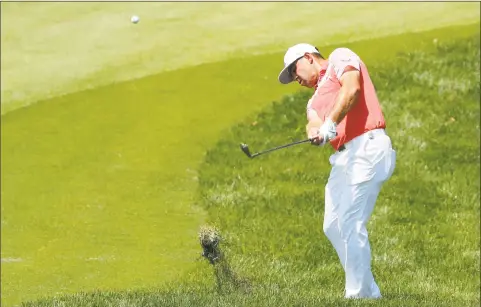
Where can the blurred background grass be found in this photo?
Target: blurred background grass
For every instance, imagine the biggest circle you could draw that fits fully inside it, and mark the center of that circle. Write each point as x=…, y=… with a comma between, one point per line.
x=49, y=49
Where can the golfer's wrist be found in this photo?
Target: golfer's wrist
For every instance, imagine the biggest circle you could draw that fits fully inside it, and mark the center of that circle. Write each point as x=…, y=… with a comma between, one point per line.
x=328, y=125
x=330, y=122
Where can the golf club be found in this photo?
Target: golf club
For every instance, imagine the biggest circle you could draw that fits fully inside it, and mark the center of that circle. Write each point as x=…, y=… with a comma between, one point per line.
x=245, y=148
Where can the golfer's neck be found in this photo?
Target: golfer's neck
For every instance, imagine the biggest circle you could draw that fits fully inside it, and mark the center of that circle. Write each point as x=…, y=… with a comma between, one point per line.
x=319, y=63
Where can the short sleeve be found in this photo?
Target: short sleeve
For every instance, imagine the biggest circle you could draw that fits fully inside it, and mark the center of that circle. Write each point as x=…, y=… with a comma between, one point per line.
x=343, y=57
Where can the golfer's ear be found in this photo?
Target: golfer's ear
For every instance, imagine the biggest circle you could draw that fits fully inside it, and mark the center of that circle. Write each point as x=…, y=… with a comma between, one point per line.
x=309, y=57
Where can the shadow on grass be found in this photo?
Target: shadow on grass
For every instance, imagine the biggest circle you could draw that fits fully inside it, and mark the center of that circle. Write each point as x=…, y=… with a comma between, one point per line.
x=228, y=281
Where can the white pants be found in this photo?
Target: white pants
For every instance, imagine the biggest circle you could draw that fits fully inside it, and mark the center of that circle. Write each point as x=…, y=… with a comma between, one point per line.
x=357, y=175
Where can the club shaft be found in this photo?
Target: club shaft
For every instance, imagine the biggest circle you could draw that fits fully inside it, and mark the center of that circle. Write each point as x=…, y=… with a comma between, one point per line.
x=280, y=147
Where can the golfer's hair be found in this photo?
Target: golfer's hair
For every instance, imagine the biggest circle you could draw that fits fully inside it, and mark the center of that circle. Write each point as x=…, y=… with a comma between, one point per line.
x=318, y=55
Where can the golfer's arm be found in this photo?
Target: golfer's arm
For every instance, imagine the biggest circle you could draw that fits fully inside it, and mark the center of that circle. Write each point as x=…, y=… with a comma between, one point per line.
x=313, y=121
x=348, y=95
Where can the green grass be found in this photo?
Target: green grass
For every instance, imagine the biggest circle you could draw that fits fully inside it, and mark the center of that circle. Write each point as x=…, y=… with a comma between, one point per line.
x=98, y=186
x=50, y=49
x=424, y=231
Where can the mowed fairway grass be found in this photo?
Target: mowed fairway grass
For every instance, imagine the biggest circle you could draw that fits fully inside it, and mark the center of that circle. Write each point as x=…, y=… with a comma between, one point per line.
x=99, y=186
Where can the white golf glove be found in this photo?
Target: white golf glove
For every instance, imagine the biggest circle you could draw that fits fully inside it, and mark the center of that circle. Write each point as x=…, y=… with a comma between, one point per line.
x=327, y=131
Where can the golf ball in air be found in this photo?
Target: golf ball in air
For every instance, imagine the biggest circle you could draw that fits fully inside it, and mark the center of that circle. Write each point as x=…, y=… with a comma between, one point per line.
x=135, y=19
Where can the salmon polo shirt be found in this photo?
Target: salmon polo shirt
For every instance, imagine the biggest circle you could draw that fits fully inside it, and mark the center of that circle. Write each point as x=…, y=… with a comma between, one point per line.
x=364, y=116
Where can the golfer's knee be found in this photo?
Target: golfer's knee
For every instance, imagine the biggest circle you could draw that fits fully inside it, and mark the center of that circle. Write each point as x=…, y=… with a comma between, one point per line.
x=329, y=228
x=347, y=228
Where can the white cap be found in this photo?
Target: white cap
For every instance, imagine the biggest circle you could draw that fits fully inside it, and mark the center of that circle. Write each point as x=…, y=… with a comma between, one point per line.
x=293, y=53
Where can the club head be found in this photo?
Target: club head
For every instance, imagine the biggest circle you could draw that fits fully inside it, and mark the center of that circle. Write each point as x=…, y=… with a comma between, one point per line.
x=245, y=149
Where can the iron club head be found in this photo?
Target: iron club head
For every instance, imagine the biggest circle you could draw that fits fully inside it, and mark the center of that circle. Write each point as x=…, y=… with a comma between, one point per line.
x=245, y=149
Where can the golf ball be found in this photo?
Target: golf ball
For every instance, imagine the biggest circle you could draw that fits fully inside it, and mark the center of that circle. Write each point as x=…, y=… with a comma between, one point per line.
x=134, y=19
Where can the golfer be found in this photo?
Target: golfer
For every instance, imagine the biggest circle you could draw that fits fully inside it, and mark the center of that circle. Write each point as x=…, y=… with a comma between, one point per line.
x=345, y=112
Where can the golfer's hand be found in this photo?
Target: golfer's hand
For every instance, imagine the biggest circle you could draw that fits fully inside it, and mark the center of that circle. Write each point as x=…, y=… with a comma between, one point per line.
x=312, y=130
x=316, y=140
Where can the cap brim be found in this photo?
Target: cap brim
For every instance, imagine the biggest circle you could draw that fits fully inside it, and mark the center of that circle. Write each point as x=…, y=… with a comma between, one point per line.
x=285, y=77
